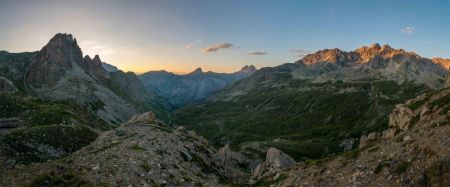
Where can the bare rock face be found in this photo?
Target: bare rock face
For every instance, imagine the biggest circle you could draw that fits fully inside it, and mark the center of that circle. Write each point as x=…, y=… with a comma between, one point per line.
x=94, y=67
x=6, y=86
x=233, y=163
x=375, y=61
x=445, y=63
x=54, y=59
x=399, y=119
x=276, y=160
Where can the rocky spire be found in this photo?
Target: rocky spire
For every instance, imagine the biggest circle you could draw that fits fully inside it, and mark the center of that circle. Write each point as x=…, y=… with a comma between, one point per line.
x=54, y=60
x=97, y=59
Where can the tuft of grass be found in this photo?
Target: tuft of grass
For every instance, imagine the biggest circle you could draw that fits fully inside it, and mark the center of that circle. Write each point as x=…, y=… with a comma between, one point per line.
x=136, y=147
x=402, y=167
x=145, y=167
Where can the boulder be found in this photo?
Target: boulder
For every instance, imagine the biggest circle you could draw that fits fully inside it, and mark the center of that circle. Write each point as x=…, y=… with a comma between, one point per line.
x=276, y=160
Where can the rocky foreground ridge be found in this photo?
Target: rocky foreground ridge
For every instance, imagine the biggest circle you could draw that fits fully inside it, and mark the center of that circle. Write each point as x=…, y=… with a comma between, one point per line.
x=144, y=152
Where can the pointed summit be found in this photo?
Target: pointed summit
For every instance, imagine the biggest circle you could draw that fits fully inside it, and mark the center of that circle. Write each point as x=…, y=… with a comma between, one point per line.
x=197, y=71
x=54, y=60
x=97, y=59
x=375, y=46
x=247, y=69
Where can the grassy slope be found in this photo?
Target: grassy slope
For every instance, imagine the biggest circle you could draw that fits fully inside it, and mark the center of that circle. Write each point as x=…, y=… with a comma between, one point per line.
x=311, y=118
x=59, y=125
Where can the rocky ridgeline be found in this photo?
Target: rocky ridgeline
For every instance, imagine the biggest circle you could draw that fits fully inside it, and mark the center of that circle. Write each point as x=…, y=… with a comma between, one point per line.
x=372, y=62
x=144, y=152
x=412, y=152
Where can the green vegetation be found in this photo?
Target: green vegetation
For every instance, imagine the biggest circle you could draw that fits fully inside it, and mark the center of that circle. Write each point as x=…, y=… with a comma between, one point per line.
x=41, y=143
x=136, y=147
x=402, y=167
x=312, y=119
x=35, y=112
x=49, y=129
x=145, y=167
x=54, y=179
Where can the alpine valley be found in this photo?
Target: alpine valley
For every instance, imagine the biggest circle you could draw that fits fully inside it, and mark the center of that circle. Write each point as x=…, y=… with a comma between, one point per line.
x=374, y=116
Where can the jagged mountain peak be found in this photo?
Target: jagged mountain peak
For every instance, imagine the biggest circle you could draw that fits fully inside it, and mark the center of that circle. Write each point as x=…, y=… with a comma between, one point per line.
x=87, y=58
x=360, y=55
x=97, y=59
x=62, y=40
x=248, y=68
x=197, y=71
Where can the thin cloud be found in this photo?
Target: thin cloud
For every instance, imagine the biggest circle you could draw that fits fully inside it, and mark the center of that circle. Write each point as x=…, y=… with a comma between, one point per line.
x=300, y=52
x=408, y=30
x=257, y=53
x=217, y=47
x=92, y=48
x=192, y=44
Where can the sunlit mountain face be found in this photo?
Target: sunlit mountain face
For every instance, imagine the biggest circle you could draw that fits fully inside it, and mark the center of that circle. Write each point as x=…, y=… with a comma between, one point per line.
x=232, y=93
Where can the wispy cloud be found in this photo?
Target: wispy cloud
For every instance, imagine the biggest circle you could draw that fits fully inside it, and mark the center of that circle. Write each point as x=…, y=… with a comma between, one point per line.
x=257, y=53
x=192, y=44
x=217, y=47
x=300, y=52
x=408, y=30
x=92, y=48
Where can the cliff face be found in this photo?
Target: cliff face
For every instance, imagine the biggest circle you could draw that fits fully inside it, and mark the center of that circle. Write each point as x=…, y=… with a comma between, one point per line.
x=53, y=61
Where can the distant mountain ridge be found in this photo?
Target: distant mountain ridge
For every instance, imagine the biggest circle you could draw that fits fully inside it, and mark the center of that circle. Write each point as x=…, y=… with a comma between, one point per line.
x=194, y=86
x=372, y=62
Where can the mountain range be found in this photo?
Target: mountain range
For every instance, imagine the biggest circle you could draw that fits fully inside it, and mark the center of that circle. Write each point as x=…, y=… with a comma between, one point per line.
x=372, y=116
x=317, y=106
x=180, y=90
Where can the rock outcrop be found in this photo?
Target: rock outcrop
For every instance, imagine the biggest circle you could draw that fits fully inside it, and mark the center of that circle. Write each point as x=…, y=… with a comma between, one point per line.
x=234, y=163
x=275, y=161
x=6, y=86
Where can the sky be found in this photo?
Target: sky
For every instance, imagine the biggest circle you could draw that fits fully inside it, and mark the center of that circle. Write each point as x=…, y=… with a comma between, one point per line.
x=223, y=36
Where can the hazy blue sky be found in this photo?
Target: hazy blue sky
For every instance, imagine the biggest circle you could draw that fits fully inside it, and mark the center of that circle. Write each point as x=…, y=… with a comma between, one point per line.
x=175, y=35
